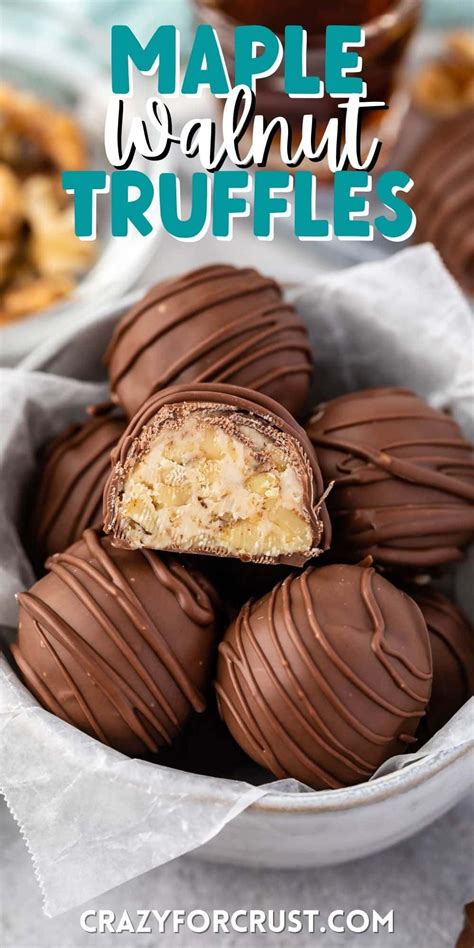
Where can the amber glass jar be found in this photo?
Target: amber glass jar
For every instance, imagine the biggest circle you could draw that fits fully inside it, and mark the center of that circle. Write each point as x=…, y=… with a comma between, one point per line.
x=389, y=25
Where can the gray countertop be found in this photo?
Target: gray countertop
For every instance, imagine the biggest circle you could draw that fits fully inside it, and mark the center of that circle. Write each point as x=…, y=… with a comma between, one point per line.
x=426, y=881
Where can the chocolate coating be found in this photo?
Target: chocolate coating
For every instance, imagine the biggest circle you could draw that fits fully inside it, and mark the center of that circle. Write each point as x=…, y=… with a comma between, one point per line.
x=452, y=647
x=403, y=479
x=327, y=676
x=118, y=643
x=68, y=498
x=466, y=938
x=135, y=442
x=443, y=194
x=216, y=324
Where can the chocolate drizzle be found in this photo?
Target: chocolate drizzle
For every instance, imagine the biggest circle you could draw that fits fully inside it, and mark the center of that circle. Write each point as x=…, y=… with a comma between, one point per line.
x=404, y=478
x=216, y=324
x=327, y=676
x=226, y=400
x=117, y=643
x=69, y=495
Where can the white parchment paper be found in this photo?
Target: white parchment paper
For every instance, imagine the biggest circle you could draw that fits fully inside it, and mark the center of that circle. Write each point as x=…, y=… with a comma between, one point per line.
x=91, y=817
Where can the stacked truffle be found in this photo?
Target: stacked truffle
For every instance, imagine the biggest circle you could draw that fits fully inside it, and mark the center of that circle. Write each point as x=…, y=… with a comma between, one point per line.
x=217, y=324
x=336, y=668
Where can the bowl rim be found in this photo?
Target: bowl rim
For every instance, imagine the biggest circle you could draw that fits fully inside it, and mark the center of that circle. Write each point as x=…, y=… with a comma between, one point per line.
x=39, y=358
x=371, y=791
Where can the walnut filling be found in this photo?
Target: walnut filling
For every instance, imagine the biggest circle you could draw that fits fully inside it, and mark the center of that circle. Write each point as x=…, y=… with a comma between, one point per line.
x=214, y=484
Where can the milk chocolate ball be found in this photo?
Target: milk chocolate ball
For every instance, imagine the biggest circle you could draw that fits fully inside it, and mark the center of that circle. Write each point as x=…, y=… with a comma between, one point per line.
x=118, y=643
x=452, y=647
x=68, y=496
x=403, y=479
x=327, y=676
x=443, y=192
x=216, y=324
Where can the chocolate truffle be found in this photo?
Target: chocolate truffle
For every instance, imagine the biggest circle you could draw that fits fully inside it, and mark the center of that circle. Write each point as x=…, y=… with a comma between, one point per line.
x=466, y=938
x=443, y=194
x=68, y=498
x=216, y=324
x=403, y=479
x=217, y=469
x=452, y=647
x=118, y=643
x=327, y=676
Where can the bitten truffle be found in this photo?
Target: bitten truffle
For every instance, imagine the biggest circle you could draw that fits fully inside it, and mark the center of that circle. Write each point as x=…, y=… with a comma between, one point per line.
x=118, y=643
x=452, y=647
x=217, y=469
x=216, y=324
x=403, y=479
x=68, y=497
x=327, y=676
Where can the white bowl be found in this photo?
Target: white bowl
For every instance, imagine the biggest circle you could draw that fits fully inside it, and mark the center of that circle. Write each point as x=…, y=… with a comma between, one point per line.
x=334, y=826
x=298, y=829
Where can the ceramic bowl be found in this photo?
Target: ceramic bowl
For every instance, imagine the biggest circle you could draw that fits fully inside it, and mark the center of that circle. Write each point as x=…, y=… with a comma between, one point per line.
x=297, y=829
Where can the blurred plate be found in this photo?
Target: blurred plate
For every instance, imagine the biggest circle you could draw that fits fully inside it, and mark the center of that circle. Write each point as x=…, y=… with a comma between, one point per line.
x=69, y=81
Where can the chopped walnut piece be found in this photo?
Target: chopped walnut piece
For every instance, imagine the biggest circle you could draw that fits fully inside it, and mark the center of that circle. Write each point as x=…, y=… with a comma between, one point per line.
x=51, y=131
x=11, y=202
x=446, y=87
x=31, y=297
x=53, y=246
x=40, y=256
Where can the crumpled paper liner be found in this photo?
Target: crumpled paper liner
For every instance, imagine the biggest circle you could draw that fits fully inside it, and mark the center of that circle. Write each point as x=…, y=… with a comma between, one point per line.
x=91, y=817
x=401, y=321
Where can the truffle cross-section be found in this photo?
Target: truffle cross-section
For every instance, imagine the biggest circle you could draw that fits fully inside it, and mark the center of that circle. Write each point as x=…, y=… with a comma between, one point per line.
x=217, y=469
